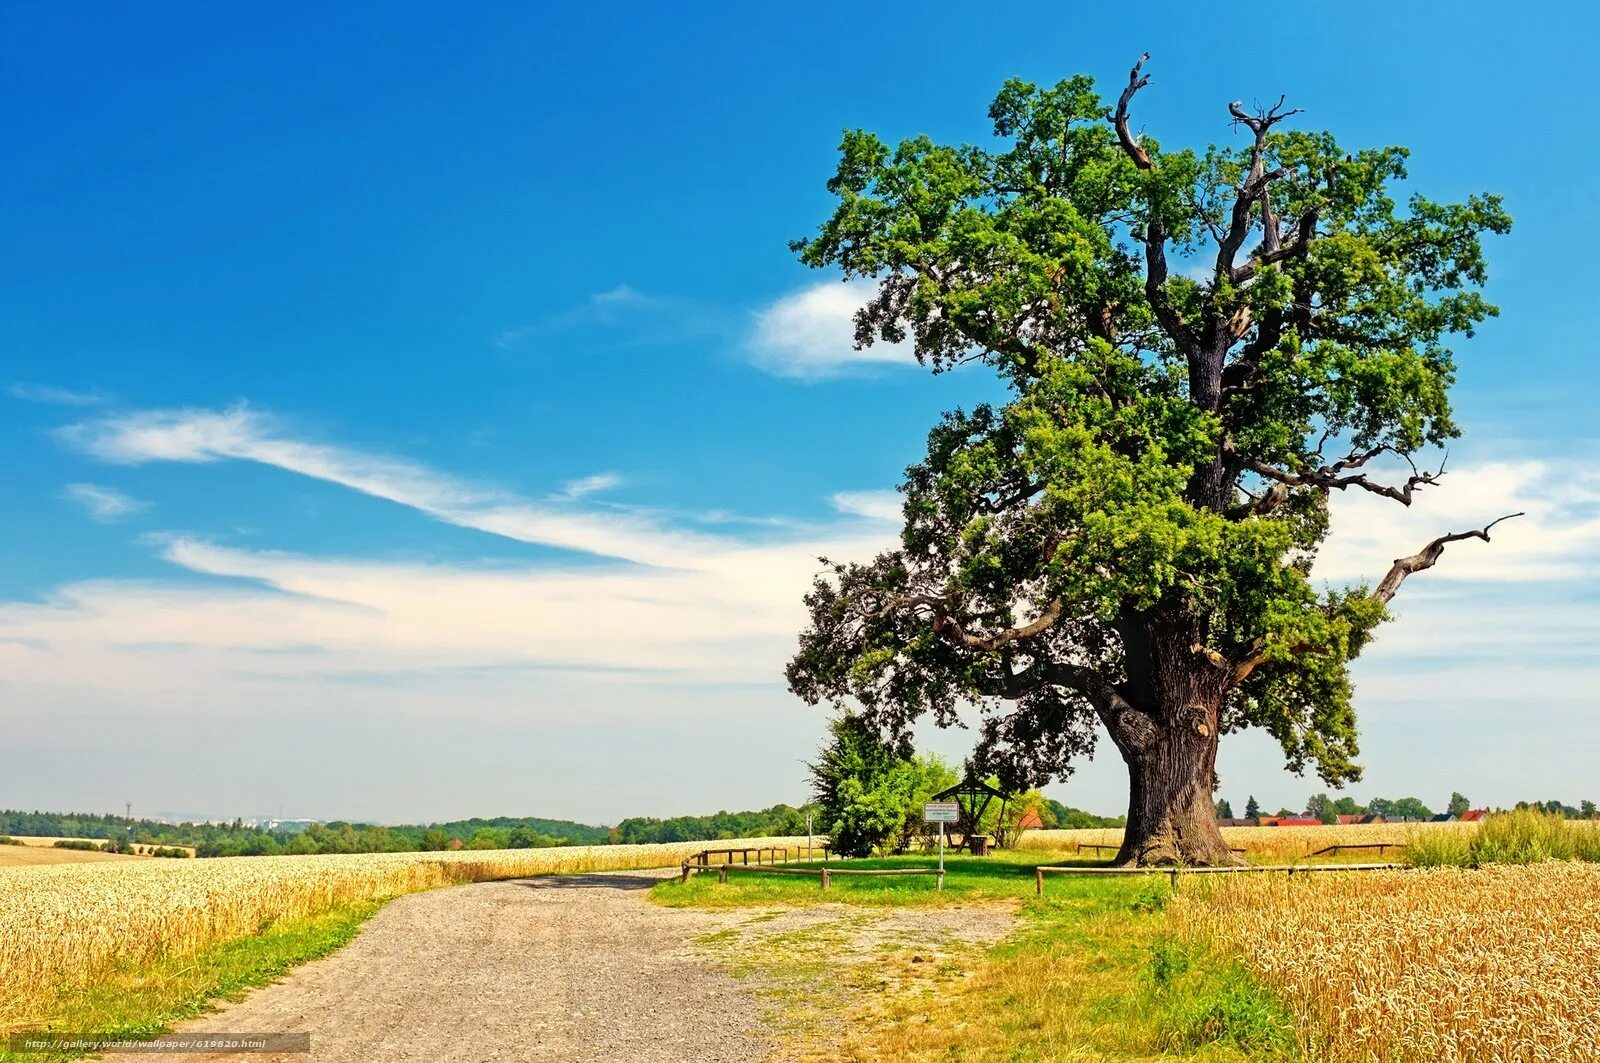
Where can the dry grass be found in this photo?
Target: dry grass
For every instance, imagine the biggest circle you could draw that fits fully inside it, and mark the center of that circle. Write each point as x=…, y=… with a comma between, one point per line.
x=1501, y=963
x=1270, y=845
x=65, y=927
x=36, y=855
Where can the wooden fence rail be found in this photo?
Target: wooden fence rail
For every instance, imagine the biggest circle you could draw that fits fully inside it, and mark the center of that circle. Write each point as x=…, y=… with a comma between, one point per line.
x=1114, y=848
x=824, y=873
x=1382, y=848
x=1174, y=872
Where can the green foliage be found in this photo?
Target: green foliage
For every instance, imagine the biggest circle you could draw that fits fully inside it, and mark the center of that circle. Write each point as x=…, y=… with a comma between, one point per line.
x=1189, y=338
x=1224, y=809
x=870, y=796
x=6, y=839
x=1399, y=808
x=775, y=822
x=81, y=844
x=1458, y=804
x=1068, y=818
x=1322, y=807
x=1252, y=810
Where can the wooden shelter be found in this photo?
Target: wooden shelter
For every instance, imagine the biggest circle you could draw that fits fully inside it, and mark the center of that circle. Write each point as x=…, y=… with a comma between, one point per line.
x=974, y=796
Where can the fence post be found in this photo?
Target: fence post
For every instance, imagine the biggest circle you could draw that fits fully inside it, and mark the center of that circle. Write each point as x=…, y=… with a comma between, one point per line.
x=1038, y=883
x=825, y=877
x=1174, y=880
x=685, y=873
x=722, y=876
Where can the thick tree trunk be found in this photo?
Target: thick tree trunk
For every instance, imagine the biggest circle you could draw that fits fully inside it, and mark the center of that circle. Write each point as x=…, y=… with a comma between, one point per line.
x=1171, y=749
x=1171, y=818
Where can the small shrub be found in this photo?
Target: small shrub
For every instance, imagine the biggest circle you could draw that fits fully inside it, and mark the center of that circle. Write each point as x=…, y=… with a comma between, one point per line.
x=8, y=840
x=79, y=843
x=1438, y=848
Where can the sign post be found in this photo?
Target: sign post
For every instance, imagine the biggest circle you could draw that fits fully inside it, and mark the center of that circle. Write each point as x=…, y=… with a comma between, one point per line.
x=941, y=812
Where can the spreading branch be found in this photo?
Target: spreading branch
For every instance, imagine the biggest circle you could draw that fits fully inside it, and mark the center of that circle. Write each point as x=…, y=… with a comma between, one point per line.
x=1337, y=476
x=950, y=627
x=1427, y=557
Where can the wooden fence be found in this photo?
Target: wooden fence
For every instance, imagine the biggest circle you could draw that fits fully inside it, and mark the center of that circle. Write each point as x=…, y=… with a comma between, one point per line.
x=826, y=874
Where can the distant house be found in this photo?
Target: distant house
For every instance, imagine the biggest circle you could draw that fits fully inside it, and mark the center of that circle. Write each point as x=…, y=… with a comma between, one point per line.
x=1030, y=821
x=1293, y=821
x=1344, y=819
x=1235, y=822
x=1473, y=815
x=456, y=843
x=1371, y=817
x=1443, y=817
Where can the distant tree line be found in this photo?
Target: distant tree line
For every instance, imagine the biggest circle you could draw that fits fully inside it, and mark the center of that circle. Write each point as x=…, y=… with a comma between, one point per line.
x=1329, y=809
x=776, y=822
x=504, y=832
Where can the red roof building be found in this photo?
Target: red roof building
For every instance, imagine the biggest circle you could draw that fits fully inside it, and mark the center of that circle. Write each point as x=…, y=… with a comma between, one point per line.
x=1293, y=821
x=1030, y=821
x=1472, y=815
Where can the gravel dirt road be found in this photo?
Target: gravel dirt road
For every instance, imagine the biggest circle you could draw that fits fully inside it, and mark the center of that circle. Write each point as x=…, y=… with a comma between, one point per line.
x=580, y=968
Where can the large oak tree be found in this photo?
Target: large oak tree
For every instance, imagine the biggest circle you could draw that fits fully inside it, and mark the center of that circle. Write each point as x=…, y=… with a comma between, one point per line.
x=1199, y=346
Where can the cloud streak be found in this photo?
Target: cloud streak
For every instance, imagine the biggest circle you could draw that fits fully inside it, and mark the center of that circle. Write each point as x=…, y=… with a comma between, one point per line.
x=50, y=395
x=106, y=505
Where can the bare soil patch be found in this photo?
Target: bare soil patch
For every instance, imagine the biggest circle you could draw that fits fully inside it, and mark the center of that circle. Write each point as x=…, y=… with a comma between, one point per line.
x=578, y=968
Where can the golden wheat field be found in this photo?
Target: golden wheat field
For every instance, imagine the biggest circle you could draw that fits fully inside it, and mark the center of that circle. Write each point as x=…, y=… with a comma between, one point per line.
x=1493, y=965
x=1267, y=844
x=63, y=925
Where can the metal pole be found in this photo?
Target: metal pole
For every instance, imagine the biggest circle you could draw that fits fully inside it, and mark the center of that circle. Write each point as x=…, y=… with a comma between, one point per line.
x=941, y=852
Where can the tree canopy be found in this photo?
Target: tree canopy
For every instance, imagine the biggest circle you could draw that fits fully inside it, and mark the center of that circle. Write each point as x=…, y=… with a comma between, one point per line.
x=1199, y=346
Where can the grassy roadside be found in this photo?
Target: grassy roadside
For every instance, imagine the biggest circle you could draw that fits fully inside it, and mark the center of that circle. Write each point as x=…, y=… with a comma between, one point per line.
x=144, y=1001
x=1090, y=972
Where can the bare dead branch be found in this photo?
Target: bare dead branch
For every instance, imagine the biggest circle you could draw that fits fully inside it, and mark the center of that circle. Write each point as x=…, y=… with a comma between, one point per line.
x=1427, y=557
x=1119, y=118
x=1336, y=477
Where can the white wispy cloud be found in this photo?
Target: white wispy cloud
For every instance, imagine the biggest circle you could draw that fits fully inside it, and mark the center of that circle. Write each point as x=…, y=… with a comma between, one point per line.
x=243, y=434
x=104, y=504
x=611, y=310
x=874, y=505
x=589, y=485
x=810, y=334
x=51, y=395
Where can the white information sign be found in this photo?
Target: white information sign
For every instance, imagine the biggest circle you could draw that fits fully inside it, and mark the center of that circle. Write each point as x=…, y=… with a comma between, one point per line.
x=941, y=812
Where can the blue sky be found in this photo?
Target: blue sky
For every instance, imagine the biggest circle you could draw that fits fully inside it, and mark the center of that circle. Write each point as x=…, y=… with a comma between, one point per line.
x=415, y=411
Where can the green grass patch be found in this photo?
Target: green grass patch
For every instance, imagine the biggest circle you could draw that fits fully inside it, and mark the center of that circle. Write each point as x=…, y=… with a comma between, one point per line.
x=1091, y=973
x=967, y=879
x=144, y=1002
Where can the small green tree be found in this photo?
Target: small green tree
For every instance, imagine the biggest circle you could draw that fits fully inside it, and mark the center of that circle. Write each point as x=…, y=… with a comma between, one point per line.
x=1252, y=810
x=870, y=796
x=1347, y=806
x=434, y=841
x=1458, y=803
x=1224, y=810
x=1587, y=809
x=1322, y=807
